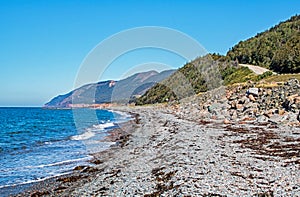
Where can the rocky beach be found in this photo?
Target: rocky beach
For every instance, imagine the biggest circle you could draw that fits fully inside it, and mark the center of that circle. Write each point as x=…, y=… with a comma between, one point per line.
x=226, y=142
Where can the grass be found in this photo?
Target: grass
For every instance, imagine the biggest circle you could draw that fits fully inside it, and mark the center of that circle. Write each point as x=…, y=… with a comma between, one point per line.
x=281, y=78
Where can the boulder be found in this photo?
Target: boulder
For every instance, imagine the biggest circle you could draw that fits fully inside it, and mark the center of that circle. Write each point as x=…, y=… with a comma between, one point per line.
x=253, y=91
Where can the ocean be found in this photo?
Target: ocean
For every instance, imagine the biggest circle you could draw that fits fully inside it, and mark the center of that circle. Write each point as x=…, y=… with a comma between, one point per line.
x=36, y=143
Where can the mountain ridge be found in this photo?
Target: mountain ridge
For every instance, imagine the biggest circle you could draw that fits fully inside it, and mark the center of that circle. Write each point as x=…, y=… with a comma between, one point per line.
x=109, y=91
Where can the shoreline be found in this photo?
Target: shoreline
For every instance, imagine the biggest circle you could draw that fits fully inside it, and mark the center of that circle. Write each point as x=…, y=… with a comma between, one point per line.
x=163, y=154
x=116, y=135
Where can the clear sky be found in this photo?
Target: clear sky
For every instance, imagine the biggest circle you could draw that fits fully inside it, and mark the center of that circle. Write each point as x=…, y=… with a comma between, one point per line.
x=43, y=43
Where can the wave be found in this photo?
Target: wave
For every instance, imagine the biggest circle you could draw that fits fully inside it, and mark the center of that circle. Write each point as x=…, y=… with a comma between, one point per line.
x=90, y=132
x=103, y=126
x=86, y=135
x=35, y=181
x=62, y=162
x=50, y=164
x=124, y=115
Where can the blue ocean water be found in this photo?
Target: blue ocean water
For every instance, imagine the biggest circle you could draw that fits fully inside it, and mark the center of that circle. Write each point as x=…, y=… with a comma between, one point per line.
x=37, y=143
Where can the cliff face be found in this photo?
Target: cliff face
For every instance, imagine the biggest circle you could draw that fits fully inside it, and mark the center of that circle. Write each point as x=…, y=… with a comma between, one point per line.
x=110, y=91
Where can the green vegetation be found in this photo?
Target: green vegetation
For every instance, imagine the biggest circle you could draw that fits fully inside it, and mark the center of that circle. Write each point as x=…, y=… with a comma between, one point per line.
x=277, y=48
x=282, y=78
x=185, y=82
x=239, y=75
x=200, y=75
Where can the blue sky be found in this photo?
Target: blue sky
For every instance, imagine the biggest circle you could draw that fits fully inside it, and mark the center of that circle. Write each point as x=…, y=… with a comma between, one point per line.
x=43, y=43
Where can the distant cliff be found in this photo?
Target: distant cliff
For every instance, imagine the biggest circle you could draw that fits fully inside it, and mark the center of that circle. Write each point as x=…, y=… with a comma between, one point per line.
x=122, y=91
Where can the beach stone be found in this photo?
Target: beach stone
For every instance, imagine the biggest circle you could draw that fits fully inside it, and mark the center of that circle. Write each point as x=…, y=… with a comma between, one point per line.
x=275, y=119
x=253, y=91
x=214, y=108
x=281, y=111
x=292, y=97
x=297, y=99
x=243, y=100
x=292, y=82
x=226, y=121
x=79, y=167
x=251, y=97
x=261, y=119
x=239, y=107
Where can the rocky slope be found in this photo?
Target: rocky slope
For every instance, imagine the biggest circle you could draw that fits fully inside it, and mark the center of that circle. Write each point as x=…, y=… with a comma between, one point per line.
x=274, y=103
x=110, y=91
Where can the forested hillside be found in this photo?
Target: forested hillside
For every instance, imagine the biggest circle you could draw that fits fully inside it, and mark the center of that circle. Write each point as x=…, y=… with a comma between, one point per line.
x=200, y=75
x=277, y=48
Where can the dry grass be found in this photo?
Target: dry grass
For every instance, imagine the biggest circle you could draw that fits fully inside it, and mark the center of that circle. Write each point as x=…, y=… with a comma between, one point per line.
x=281, y=78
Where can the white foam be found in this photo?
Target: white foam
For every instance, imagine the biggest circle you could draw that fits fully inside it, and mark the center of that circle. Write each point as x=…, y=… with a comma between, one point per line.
x=49, y=165
x=123, y=115
x=103, y=126
x=84, y=136
x=36, y=180
x=90, y=132
x=62, y=162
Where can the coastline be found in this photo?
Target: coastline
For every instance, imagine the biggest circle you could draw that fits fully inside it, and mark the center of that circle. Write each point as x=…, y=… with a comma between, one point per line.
x=117, y=135
x=160, y=153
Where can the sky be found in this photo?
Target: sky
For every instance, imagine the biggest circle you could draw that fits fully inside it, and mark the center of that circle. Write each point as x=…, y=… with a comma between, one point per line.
x=44, y=43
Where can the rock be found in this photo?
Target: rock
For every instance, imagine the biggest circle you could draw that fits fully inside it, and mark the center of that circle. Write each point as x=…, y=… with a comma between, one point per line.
x=226, y=121
x=239, y=107
x=233, y=97
x=298, y=117
x=268, y=114
x=79, y=167
x=281, y=111
x=247, y=118
x=275, y=119
x=292, y=82
x=243, y=100
x=214, y=108
x=233, y=105
x=292, y=117
x=297, y=99
x=261, y=119
x=253, y=91
x=286, y=105
x=292, y=97
x=251, y=97
x=233, y=114
x=293, y=106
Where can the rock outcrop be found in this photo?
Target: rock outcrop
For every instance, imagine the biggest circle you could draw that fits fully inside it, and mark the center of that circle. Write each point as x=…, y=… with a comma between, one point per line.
x=278, y=103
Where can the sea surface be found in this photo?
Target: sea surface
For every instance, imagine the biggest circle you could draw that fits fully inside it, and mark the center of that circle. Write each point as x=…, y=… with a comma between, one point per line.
x=36, y=143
